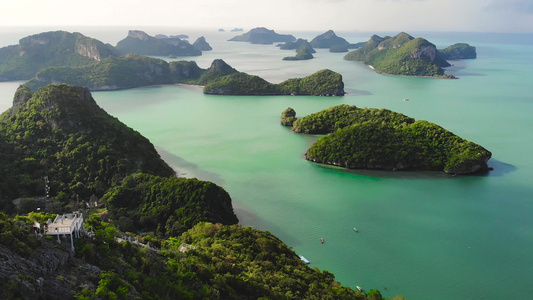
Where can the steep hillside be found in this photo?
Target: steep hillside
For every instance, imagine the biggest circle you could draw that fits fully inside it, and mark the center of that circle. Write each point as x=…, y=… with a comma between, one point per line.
x=47, y=49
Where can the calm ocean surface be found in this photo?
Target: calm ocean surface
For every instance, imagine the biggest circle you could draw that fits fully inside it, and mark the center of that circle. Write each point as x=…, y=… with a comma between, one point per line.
x=424, y=235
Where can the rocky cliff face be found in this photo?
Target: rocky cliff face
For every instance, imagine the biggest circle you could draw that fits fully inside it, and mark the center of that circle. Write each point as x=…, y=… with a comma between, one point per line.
x=202, y=45
x=51, y=272
x=138, y=34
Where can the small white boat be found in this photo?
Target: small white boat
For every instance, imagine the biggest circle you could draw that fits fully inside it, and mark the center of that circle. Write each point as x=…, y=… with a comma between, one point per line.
x=355, y=229
x=359, y=288
x=305, y=260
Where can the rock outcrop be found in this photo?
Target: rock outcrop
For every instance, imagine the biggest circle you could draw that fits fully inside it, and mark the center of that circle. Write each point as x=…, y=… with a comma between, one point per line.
x=201, y=44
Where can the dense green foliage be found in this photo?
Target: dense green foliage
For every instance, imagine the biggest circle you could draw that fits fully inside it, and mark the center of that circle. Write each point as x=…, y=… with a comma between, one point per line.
x=141, y=43
x=229, y=262
x=340, y=116
x=401, y=55
x=218, y=69
x=224, y=262
x=240, y=84
x=261, y=35
x=381, y=139
x=327, y=40
x=15, y=237
x=125, y=72
x=167, y=206
x=58, y=48
x=61, y=132
x=324, y=82
x=288, y=117
x=459, y=51
x=122, y=72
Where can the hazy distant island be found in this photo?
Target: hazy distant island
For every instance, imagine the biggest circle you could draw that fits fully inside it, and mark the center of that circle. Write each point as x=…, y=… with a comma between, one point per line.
x=236, y=29
x=302, y=53
x=114, y=73
x=55, y=48
x=133, y=70
x=327, y=40
x=386, y=140
x=202, y=45
x=405, y=55
x=262, y=35
x=459, y=51
x=294, y=45
x=139, y=42
x=151, y=234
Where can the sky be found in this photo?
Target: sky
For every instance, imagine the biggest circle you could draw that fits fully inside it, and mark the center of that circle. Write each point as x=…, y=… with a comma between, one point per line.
x=301, y=15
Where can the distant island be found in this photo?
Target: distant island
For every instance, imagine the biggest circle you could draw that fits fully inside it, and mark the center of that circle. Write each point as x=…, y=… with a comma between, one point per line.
x=133, y=70
x=302, y=53
x=321, y=83
x=405, y=55
x=294, y=45
x=459, y=51
x=236, y=29
x=201, y=44
x=114, y=73
x=262, y=35
x=47, y=49
x=386, y=140
x=327, y=40
x=139, y=42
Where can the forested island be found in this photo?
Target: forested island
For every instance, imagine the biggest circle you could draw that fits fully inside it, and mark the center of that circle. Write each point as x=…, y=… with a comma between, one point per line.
x=302, y=53
x=459, y=51
x=55, y=48
x=386, y=140
x=138, y=42
x=134, y=70
x=225, y=80
x=262, y=35
x=182, y=241
x=403, y=55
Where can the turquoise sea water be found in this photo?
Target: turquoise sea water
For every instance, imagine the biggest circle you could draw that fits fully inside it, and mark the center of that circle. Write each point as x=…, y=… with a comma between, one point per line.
x=424, y=235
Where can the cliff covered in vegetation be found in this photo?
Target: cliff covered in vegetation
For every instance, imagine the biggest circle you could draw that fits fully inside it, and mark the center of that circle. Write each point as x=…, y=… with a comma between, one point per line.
x=60, y=132
x=382, y=139
x=401, y=55
x=127, y=71
x=55, y=48
x=209, y=261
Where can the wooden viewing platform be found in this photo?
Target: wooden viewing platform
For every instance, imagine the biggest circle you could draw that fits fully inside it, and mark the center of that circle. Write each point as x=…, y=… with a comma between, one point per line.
x=71, y=224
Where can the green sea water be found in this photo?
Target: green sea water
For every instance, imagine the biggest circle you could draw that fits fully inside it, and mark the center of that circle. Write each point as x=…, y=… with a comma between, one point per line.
x=424, y=235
